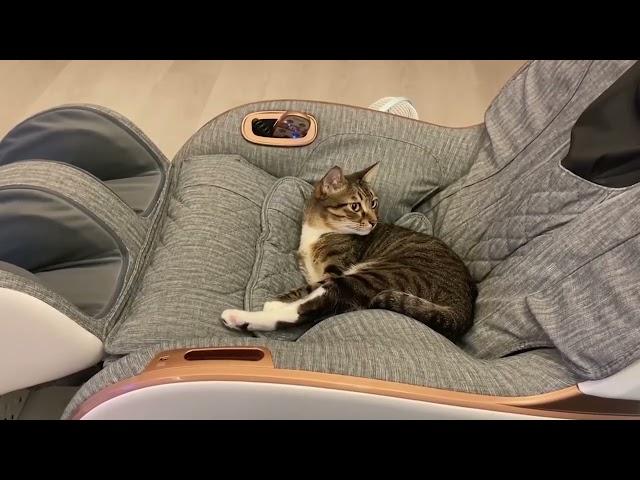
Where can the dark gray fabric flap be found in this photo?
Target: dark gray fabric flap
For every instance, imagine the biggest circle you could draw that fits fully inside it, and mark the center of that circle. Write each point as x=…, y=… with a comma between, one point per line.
x=69, y=249
x=11, y=268
x=87, y=285
x=136, y=191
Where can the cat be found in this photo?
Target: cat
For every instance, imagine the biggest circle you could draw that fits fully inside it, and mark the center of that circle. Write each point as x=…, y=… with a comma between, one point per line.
x=352, y=262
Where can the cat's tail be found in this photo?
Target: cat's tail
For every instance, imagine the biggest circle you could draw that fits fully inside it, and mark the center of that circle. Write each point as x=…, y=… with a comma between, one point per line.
x=446, y=320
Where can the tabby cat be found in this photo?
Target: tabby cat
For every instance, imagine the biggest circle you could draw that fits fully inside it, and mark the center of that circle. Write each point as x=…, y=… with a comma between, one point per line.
x=352, y=262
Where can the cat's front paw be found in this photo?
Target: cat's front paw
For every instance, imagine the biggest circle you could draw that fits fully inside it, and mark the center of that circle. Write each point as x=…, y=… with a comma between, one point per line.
x=273, y=305
x=233, y=319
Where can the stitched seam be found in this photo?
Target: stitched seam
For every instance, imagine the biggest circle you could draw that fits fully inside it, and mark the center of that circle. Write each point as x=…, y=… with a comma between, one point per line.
x=259, y=253
x=506, y=194
x=254, y=279
x=136, y=282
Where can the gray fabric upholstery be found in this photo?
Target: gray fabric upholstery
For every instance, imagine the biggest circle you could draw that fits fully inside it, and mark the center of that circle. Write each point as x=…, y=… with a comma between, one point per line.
x=137, y=192
x=589, y=306
x=276, y=268
x=202, y=257
x=415, y=221
x=15, y=270
x=96, y=140
x=81, y=189
x=353, y=138
x=527, y=227
x=374, y=344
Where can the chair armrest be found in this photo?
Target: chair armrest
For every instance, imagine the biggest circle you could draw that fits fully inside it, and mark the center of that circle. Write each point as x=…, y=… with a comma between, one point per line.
x=245, y=384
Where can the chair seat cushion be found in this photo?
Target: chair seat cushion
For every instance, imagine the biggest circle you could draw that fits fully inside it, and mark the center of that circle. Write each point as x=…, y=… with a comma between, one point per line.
x=203, y=255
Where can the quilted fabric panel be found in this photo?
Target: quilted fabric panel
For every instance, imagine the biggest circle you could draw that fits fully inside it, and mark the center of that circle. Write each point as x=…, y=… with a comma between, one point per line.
x=525, y=211
x=203, y=256
x=276, y=268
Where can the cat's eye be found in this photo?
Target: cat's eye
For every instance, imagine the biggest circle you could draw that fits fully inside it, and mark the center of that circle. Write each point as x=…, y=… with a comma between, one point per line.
x=355, y=207
x=374, y=204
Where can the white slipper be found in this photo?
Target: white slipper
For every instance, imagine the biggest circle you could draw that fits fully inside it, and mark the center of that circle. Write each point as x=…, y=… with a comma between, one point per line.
x=396, y=105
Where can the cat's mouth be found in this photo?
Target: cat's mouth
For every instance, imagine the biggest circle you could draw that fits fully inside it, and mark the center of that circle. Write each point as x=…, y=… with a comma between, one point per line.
x=356, y=230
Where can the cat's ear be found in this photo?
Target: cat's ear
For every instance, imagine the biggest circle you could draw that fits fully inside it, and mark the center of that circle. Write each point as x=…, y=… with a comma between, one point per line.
x=369, y=173
x=332, y=181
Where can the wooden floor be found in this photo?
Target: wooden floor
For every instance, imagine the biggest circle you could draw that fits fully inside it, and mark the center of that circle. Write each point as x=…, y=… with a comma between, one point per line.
x=170, y=100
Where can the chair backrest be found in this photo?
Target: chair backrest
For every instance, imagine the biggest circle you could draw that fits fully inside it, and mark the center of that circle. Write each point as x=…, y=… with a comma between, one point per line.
x=553, y=251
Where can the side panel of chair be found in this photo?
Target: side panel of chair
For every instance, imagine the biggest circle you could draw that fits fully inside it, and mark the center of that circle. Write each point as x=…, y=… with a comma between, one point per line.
x=253, y=366
x=38, y=343
x=623, y=385
x=269, y=401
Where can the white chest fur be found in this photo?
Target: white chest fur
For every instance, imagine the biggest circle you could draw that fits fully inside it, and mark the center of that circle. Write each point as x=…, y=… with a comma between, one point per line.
x=312, y=271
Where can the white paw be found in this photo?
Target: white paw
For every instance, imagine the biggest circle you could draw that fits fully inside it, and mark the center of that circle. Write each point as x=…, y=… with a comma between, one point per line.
x=273, y=305
x=250, y=321
x=233, y=319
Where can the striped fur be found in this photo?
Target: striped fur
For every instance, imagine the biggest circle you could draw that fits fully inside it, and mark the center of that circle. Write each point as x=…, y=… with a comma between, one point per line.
x=351, y=262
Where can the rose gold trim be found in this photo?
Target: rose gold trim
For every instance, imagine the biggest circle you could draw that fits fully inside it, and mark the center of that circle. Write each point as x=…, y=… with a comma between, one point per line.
x=247, y=131
x=170, y=367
